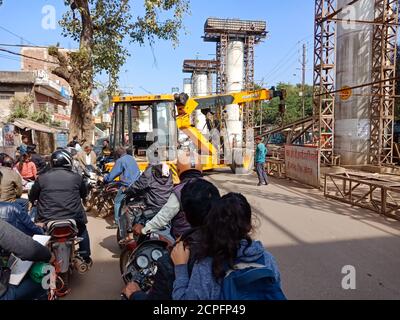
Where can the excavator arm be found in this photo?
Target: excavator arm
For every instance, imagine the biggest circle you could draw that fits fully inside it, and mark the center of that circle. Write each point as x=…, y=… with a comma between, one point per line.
x=187, y=106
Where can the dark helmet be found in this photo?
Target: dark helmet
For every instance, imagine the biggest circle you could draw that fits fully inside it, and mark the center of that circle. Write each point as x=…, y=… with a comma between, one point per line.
x=61, y=159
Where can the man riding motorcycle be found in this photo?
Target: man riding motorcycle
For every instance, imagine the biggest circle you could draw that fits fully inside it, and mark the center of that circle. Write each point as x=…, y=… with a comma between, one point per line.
x=189, y=169
x=59, y=193
x=155, y=186
x=24, y=247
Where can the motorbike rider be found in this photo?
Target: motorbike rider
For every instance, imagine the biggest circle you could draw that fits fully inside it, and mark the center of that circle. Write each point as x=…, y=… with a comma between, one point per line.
x=59, y=193
x=87, y=157
x=189, y=169
x=197, y=199
x=126, y=168
x=154, y=186
x=24, y=247
x=11, y=184
x=19, y=218
x=39, y=162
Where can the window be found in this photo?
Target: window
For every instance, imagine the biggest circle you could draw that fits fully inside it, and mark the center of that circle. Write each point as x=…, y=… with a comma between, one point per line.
x=6, y=95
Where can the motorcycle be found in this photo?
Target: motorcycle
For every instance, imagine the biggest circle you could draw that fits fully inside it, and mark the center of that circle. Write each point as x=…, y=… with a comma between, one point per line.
x=105, y=198
x=63, y=244
x=140, y=253
x=138, y=262
x=92, y=179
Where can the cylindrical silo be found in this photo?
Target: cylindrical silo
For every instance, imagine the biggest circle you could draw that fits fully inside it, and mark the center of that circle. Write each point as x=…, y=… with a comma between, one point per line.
x=200, y=90
x=235, y=77
x=353, y=67
x=187, y=86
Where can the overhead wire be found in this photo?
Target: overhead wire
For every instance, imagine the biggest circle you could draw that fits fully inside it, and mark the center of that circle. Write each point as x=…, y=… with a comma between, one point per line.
x=26, y=56
x=15, y=35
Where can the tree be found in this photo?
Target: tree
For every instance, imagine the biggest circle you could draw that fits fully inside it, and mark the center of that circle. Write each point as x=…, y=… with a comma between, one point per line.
x=101, y=27
x=271, y=114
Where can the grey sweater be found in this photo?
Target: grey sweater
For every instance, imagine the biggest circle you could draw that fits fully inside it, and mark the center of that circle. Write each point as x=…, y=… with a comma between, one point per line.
x=24, y=247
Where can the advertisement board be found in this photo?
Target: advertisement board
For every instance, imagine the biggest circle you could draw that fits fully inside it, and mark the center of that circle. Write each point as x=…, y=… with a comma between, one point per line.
x=303, y=164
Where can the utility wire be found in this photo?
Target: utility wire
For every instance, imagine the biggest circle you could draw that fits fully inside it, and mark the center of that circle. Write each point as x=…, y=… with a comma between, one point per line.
x=15, y=35
x=288, y=54
x=25, y=56
x=22, y=45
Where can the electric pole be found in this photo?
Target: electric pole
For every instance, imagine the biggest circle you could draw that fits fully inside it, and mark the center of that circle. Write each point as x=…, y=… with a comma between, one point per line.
x=303, y=86
x=303, y=81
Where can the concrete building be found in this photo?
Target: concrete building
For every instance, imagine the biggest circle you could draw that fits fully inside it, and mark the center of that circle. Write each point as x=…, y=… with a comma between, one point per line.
x=46, y=95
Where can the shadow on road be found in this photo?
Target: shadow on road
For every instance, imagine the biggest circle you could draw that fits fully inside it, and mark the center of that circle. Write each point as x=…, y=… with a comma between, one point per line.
x=110, y=243
x=314, y=271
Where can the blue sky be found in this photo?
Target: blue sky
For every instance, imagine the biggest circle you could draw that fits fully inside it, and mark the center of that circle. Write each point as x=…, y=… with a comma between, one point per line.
x=277, y=59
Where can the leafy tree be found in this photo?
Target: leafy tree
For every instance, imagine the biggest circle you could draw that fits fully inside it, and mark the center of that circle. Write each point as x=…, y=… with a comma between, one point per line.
x=271, y=114
x=100, y=27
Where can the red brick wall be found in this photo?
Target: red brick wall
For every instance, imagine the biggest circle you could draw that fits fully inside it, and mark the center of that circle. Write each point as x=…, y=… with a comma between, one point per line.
x=33, y=65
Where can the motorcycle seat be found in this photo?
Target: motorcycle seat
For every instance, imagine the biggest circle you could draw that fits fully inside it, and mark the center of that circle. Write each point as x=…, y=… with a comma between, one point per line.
x=62, y=228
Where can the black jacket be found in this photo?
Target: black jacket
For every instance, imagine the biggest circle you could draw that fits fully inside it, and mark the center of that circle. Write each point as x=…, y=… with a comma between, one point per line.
x=24, y=247
x=59, y=192
x=155, y=188
x=18, y=218
x=39, y=162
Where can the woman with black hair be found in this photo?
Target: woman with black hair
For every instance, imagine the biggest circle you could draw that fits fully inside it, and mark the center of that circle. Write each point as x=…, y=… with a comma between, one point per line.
x=227, y=243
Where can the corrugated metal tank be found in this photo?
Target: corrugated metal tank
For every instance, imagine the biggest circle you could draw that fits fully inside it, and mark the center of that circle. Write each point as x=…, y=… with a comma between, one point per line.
x=235, y=78
x=353, y=67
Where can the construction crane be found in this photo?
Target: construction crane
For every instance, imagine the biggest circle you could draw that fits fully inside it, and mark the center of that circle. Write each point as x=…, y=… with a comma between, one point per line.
x=151, y=123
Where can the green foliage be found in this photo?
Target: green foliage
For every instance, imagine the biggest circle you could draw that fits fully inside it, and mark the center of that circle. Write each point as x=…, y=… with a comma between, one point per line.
x=112, y=24
x=104, y=102
x=41, y=116
x=20, y=109
x=294, y=109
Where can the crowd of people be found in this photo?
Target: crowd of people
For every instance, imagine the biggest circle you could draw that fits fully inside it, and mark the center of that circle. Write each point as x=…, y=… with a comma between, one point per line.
x=211, y=233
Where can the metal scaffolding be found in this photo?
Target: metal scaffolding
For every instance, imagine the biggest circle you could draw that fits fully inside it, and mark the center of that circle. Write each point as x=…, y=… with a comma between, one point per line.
x=384, y=54
x=324, y=79
x=221, y=31
x=251, y=33
x=208, y=67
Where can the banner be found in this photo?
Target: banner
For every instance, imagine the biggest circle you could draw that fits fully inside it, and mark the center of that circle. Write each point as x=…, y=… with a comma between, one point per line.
x=303, y=164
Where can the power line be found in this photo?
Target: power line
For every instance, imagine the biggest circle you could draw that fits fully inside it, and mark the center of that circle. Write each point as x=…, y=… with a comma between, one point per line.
x=9, y=58
x=22, y=46
x=25, y=56
x=273, y=76
x=287, y=56
x=16, y=35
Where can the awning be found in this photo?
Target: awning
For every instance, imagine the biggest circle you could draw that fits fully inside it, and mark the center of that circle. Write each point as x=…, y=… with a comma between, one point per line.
x=26, y=124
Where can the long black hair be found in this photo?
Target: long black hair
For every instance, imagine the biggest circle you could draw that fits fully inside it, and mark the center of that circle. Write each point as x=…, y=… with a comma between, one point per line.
x=228, y=223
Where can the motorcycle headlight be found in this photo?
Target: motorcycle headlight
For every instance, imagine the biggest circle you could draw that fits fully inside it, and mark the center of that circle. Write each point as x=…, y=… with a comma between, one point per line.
x=156, y=254
x=142, y=262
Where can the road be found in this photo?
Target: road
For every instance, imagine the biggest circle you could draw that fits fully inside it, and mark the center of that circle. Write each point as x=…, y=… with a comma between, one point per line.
x=311, y=237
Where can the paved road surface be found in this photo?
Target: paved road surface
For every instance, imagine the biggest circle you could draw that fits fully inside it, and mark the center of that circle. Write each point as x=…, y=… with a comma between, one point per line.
x=311, y=237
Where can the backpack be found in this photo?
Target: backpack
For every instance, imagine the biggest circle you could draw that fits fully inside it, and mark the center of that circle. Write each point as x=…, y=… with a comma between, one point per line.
x=251, y=281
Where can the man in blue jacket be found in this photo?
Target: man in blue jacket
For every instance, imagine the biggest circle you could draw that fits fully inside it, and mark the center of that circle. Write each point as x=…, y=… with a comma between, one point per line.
x=261, y=155
x=17, y=217
x=127, y=170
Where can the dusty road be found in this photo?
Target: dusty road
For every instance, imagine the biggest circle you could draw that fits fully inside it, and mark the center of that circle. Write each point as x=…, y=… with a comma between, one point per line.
x=311, y=237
